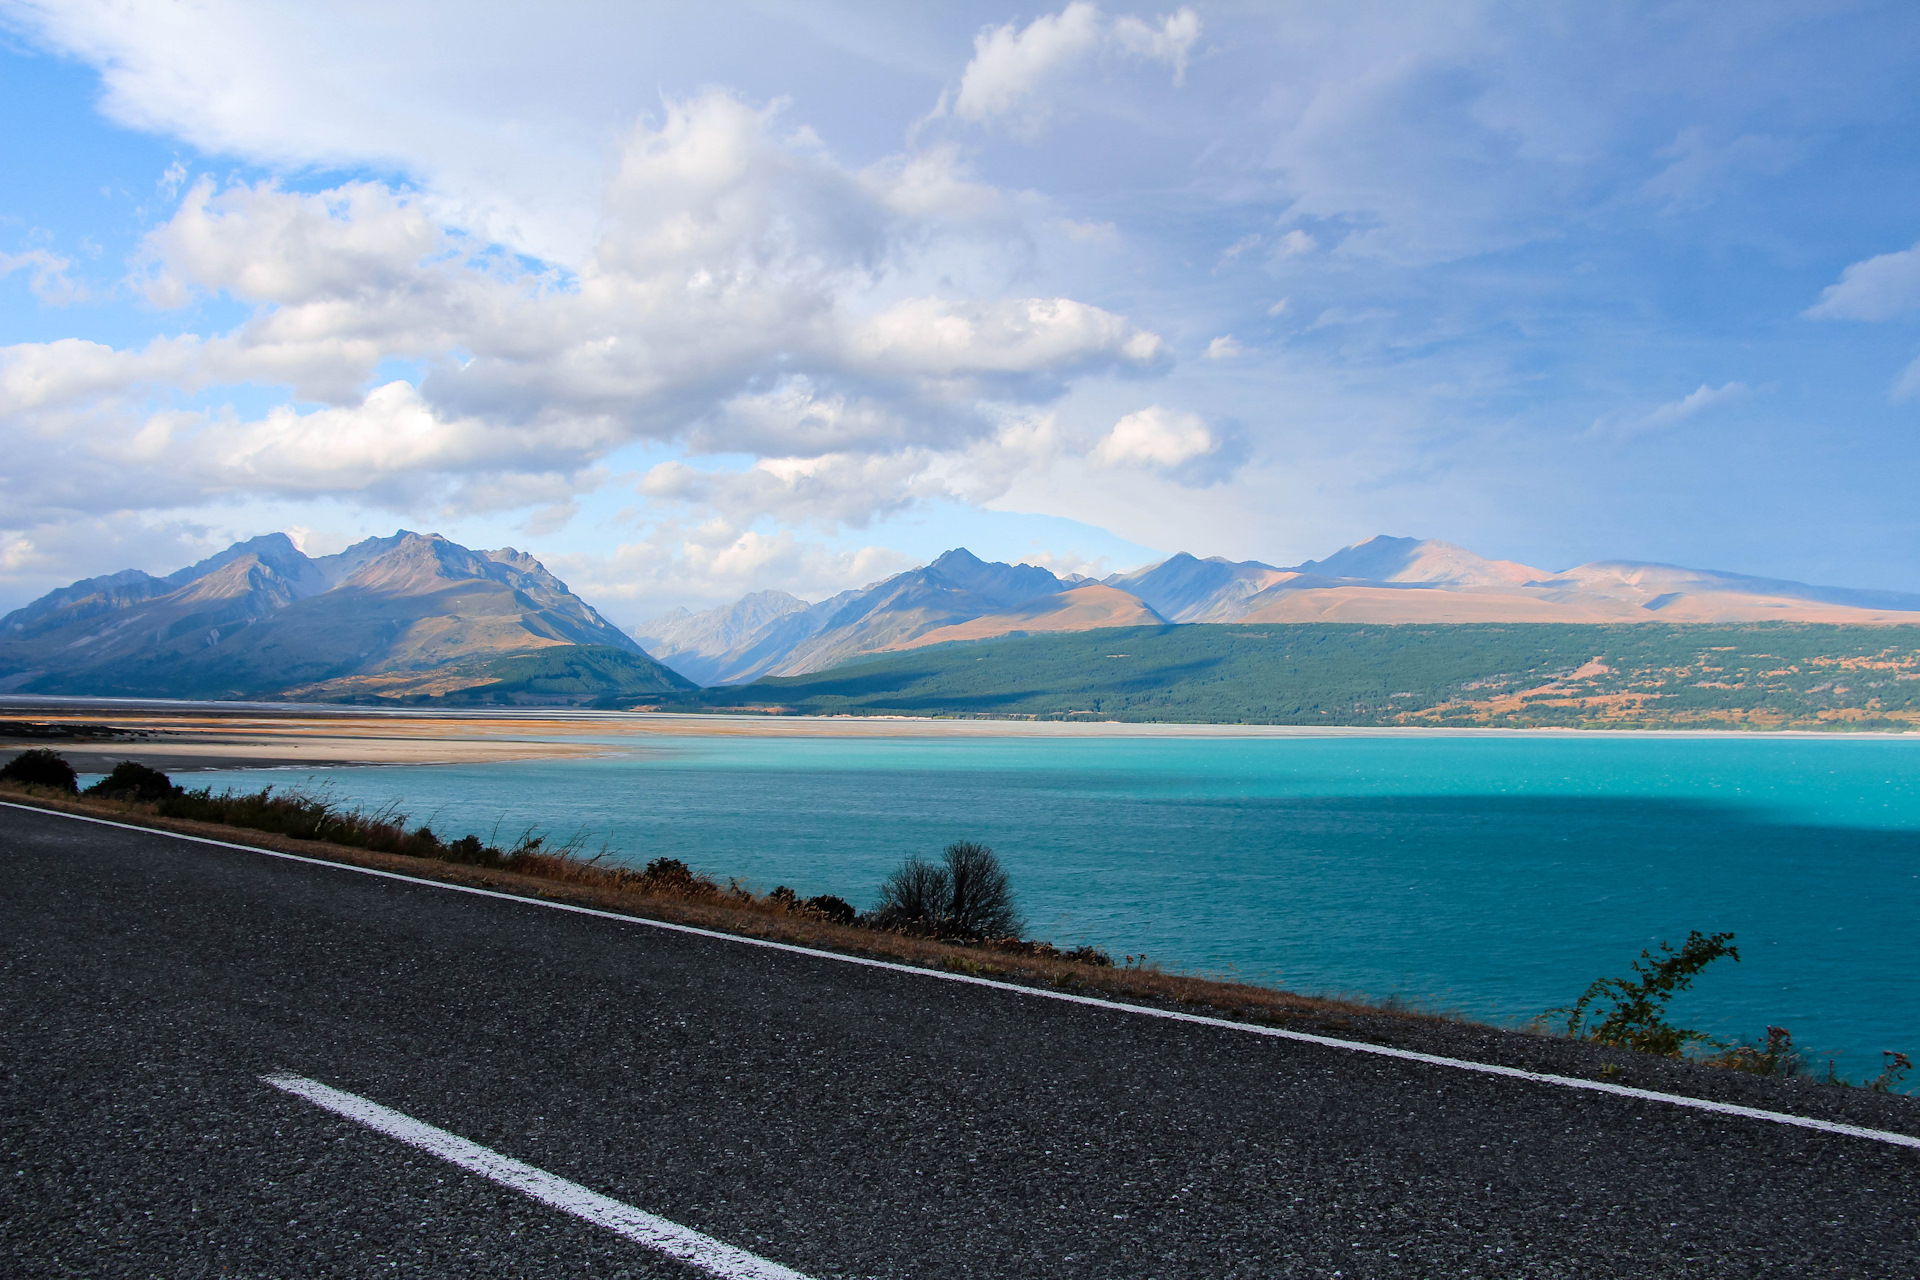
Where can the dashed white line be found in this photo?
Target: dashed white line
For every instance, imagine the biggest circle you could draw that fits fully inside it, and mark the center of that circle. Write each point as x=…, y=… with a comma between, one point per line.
x=680, y=1243
x=1144, y=1011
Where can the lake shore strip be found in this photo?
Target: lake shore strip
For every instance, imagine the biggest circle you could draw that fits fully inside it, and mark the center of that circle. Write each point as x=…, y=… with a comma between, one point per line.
x=189, y=737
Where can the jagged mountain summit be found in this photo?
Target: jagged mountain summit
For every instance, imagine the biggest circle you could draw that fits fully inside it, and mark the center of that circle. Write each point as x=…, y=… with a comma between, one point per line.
x=412, y=616
x=1382, y=580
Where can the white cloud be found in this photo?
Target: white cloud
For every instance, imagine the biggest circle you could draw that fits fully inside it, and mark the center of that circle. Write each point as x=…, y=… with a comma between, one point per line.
x=1295, y=243
x=835, y=491
x=261, y=244
x=1169, y=42
x=829, y=492
x=1155, y=437
x=46, y=274
x=1013, y=66
x=1877, y=289
x=1224, y=347
x=945, y=339
x=697, y=566
x=744, y=296
x=1698, y=400
x=1672, y=413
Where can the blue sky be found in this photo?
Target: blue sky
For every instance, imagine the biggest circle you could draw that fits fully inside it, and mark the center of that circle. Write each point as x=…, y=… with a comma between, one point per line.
x=796, y=295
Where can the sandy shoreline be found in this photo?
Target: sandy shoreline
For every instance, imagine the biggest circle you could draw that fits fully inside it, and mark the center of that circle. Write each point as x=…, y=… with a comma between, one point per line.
x=94, y=734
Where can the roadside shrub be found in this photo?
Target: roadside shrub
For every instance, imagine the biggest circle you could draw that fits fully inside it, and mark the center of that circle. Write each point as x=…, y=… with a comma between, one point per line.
x=966, y=894
x=132, y=781
x=1631, y=1013
x=668, y=873
x=1898, y=1064
x=831, y=909
x=467, y=849
x=915, y=895
x=1775, y=1056
x=1090, y=954
x=40, y=767
x=674, y=877
x=981, y=902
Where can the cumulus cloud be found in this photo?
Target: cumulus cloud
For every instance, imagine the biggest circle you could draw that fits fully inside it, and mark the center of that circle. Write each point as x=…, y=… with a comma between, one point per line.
x=1178, y=445
x=1879, y=288
x=744, y=296
x=262, y=244
x=834, y=491
x=945, y=339
x=1013, y=66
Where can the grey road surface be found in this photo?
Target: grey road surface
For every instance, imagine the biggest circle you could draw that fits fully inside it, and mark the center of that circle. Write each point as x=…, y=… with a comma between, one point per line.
x=837, y=1120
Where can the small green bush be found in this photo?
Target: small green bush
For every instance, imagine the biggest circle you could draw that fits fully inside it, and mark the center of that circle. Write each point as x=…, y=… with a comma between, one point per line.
x=1631, y=1012
x=40, y=767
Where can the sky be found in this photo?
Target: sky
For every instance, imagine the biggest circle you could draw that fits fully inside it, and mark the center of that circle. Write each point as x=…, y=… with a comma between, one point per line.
x=696, y=300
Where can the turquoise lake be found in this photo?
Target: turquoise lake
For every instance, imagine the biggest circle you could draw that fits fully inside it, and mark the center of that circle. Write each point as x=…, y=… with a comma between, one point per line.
x=1493, y=876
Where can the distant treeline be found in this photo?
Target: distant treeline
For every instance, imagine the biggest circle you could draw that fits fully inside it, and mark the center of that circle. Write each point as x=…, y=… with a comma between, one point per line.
x=1752, y=675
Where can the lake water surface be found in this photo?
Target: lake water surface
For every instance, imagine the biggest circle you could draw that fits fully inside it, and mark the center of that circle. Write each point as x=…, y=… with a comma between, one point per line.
x=1495, y=876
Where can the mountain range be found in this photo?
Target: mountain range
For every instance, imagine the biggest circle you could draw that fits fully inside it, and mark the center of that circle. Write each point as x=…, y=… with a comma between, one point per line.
x=1381, y=580
x=410, y=617
x=417, y=618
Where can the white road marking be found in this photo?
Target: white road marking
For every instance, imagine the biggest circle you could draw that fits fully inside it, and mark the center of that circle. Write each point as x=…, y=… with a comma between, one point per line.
x=681, y=1243
x=1112, y=1006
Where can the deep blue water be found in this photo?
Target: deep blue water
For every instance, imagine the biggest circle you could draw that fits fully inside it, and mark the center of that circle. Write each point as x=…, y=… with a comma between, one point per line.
x=1493, y=876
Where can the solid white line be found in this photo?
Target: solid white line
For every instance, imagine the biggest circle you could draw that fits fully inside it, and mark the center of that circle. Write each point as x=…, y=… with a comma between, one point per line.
x=682, y=1243
x=1144, y=1011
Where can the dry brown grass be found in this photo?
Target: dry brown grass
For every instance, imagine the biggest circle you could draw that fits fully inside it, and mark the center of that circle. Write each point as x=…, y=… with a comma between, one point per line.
x=564, y=877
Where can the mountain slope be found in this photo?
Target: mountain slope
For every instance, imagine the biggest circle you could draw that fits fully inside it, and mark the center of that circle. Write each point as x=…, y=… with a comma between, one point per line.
x=1638, y=675
x=766, y=634
x=1081, y=609
x=957, y=587
x=261, y=618
x=1182, y=588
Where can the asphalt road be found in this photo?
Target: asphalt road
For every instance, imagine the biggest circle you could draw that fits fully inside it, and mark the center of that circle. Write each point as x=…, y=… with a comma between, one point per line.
x=838, y=1120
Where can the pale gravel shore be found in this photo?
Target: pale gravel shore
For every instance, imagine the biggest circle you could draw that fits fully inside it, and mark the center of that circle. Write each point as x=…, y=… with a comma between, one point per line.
x=188, y=736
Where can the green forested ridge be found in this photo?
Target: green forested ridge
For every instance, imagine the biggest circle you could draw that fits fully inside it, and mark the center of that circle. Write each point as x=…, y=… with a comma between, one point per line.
x=1760, y=675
